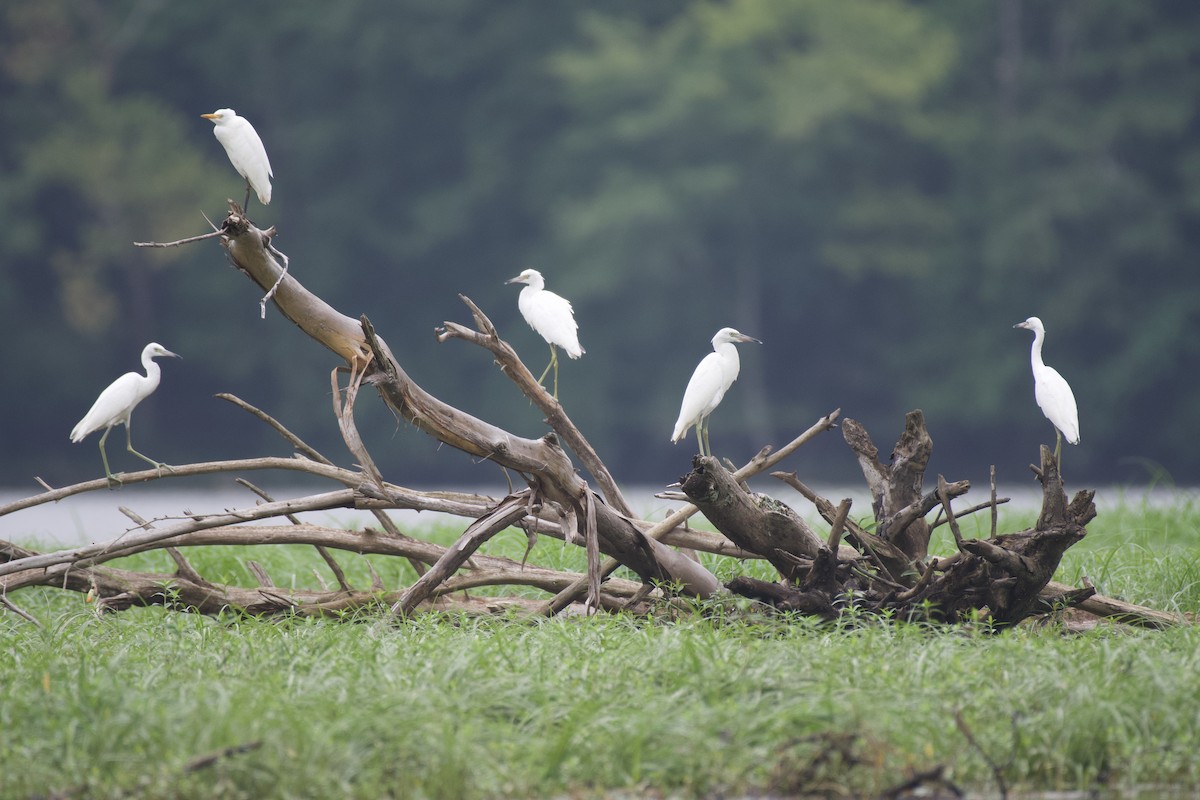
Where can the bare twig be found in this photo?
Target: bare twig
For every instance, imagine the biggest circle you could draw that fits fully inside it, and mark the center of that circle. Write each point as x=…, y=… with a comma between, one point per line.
x=292, y=439
x=344, y=412
x=935, y=776
x=14, y=608
x=184, y=566
x=334, y=567
x=995, y=513
x=839, y=524
x=178, y=242
x=887, y=557
x=1118, y=610
x=911, y=594
x=992, y=504
x=260, y=574
x=338, y=499
x=943, y=494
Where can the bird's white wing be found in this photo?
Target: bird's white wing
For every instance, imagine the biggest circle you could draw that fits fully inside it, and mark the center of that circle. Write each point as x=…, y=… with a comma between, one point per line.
x=112, y=406
x=1057, y=401
x=704, y=391
x=552, y=317
x=249, y=157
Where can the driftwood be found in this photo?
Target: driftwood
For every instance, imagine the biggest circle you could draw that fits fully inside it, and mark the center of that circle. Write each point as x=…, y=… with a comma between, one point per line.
x=1003, y=579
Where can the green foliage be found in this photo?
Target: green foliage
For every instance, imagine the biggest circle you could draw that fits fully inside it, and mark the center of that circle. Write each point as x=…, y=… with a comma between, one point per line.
x=723, y=701
x=877, y=190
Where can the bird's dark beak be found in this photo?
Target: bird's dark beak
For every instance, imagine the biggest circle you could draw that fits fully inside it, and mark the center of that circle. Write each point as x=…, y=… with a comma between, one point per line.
x=513, y=280
x=1019, y=325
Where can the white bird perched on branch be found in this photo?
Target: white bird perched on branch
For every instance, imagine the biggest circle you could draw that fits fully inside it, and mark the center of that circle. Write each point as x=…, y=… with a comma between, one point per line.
x=116, y=403
x=1051, y=390
x=715, y=373
x=551, y=317
x=245, y=150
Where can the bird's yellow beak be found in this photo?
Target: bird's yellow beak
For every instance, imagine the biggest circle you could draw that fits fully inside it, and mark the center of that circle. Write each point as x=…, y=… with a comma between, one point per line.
x=211, y=116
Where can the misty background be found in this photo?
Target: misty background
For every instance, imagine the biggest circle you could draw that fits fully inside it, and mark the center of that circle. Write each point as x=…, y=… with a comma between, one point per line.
x=877, y=190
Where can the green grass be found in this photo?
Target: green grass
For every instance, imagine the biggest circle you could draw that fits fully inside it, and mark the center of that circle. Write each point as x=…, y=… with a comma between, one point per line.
x=718, y=702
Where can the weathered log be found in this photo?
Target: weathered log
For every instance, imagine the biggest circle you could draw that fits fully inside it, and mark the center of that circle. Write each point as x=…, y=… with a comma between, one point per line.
x=1117, y=610
x=752, y=521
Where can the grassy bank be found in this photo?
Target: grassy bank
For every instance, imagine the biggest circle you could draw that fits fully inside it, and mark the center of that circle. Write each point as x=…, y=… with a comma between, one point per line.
x=121, y=705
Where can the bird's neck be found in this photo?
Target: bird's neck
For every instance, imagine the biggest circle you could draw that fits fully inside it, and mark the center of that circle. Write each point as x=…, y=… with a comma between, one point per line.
x=1035, y=350
x=153, y=371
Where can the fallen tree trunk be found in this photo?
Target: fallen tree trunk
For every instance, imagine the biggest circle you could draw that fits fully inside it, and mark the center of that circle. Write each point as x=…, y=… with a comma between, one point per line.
x=754, y=522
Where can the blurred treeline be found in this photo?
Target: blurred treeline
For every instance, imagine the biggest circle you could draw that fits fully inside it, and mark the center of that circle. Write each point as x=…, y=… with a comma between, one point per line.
x=878, y=190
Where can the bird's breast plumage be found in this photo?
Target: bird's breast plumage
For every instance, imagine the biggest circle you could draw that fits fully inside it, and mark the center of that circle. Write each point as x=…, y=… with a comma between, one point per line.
x=1056, y=400
x=247, y=154
x=114, y=404
x=552, y=317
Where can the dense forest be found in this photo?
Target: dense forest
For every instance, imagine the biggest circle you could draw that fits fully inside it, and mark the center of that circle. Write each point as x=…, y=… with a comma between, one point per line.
x=877, y=190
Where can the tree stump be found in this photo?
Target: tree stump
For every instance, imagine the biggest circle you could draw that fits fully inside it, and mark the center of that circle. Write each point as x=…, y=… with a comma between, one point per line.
x=1000, y=580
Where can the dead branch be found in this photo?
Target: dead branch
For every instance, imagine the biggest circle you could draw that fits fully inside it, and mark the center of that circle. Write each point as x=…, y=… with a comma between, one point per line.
x=1006, y=577
x=178, y=242
x=339, y=499
x=511, y=365
x=506, y=512
x=764, y=460
x=117, y=589
x=295, y=441
x=887, y=556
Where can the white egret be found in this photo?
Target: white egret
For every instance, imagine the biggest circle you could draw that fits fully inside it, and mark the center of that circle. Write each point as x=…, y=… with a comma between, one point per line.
x=245, y=150
x=116, y=403
x=1051, y=390
x=715, y=373
x=551, y=317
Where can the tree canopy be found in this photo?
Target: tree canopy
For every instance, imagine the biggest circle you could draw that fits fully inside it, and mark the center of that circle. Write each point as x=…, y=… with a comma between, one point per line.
x=877, y=190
